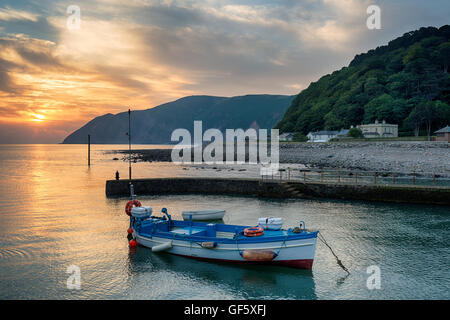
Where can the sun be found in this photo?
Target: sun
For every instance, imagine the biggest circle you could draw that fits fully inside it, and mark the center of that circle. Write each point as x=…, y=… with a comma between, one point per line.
x=38, y=118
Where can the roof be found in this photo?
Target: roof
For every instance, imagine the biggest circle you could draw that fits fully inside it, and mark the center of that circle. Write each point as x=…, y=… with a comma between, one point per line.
x=444, y=130
x=286, y=134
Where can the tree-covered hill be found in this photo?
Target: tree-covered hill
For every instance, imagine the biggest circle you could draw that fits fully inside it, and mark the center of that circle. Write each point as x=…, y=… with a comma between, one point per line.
x=406, y=82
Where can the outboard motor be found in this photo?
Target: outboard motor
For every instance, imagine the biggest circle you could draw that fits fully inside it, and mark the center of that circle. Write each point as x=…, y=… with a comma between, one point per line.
x=141, y=212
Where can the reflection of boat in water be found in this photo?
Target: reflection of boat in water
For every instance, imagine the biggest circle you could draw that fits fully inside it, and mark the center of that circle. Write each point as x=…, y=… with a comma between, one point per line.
x=220, y=279
x=202, y=215
x=221, y=242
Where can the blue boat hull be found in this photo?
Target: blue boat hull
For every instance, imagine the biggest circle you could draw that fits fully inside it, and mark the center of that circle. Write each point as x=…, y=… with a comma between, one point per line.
x=220, y=242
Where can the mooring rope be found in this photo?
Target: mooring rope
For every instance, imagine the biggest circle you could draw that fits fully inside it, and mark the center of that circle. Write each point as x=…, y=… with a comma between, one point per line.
x=283, y=244
x=321, y=238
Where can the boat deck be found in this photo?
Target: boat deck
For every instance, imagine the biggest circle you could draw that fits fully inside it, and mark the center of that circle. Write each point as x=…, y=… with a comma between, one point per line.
x=202, y=231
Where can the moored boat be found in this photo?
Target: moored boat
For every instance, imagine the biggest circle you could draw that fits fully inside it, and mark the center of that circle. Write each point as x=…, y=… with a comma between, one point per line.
x=202, y=215
x=294, y=247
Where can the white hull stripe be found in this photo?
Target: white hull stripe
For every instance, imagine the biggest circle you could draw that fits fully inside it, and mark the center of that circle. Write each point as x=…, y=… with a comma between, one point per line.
x=219, y=248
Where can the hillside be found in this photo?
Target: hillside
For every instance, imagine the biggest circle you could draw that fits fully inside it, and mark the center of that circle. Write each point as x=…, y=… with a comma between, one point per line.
x=406, y=82
x=155, y=125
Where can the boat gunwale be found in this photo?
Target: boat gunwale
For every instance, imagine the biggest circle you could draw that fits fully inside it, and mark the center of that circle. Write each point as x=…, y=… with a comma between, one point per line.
x=150, y=238
x=240, y=239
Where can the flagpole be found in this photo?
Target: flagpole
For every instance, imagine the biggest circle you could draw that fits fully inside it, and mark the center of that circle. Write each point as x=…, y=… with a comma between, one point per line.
x=129, y=142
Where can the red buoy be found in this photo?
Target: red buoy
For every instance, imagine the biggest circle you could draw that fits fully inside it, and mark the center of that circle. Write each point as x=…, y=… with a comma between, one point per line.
x=253, y=232
x=130, y=230
x=132, y=243
x=130, y=205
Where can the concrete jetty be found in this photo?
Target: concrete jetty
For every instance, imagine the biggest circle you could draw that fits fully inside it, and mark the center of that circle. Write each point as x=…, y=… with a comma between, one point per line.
x=281, y=189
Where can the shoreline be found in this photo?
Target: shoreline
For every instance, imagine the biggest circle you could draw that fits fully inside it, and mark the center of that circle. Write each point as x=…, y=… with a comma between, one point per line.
x=402, y=157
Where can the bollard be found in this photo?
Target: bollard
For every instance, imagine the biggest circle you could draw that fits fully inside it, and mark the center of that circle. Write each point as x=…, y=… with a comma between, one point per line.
x=89, y=150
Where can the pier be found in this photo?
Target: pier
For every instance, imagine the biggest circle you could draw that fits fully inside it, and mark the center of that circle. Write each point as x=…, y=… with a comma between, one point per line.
x=272, y=188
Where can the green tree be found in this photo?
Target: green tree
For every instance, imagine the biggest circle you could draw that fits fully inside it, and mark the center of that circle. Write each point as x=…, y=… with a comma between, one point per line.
x=415, y=119
x=355, y=133
x=332, y=122
x=442, y=113
x=444, y=55
x=429, y=113
x=299, y=137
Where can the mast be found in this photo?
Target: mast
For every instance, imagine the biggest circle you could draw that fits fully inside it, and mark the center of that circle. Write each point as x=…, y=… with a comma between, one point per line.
x=129, y=143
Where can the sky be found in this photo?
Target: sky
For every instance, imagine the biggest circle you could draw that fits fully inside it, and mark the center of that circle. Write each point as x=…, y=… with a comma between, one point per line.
x=58, y=72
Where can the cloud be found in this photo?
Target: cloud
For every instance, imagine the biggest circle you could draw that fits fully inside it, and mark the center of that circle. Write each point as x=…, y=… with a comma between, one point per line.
x=141, y=53
x=8, y=14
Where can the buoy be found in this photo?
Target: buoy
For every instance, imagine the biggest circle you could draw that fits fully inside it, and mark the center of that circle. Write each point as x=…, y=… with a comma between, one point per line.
x=209, y=245
x=258, y=255
x=133, y=243
x=130, y=205
x=162, y=247
x=130, y=230
x=253, y=232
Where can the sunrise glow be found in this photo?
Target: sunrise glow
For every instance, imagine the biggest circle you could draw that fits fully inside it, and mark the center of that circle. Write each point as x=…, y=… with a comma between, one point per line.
x=140, y=54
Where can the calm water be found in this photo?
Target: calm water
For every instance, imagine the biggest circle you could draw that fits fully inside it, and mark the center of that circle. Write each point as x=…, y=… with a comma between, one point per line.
x=54, y=213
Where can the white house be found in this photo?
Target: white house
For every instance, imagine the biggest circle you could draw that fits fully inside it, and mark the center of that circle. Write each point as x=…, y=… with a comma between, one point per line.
x=322, y=136
x=287, y=136
x=325, y=136
x=379, y=130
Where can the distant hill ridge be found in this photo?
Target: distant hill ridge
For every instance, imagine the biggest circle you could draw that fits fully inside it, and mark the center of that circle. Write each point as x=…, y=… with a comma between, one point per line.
x=406, y=82
x=155, y=125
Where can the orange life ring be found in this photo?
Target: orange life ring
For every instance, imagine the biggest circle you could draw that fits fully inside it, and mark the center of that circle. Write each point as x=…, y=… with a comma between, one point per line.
x=130, y=205
x=253, y=232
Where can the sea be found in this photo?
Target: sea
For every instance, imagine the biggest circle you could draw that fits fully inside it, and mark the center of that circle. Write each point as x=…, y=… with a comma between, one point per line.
x=62, y=238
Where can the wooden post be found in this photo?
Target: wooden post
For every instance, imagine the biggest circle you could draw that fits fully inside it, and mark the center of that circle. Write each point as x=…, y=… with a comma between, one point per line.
x=356, y=177
x=321, y=176
x=339, y=176
x=89, y=150
x=393, y=178
x=281, y=173
x=375, y=178
x=434, y=178
x=414, y=177
x=304, y=176
x=289, y=173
